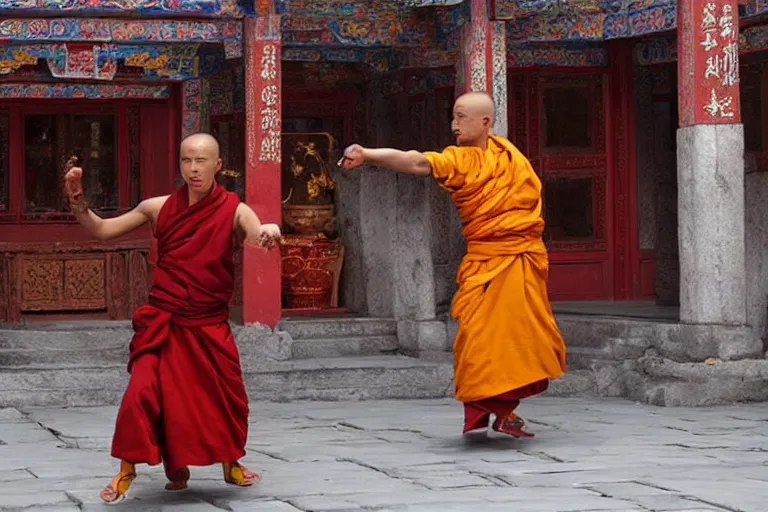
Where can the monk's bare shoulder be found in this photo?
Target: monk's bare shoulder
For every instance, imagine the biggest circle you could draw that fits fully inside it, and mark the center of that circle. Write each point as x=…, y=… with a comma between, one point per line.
x=151, y=207
x=243, y=213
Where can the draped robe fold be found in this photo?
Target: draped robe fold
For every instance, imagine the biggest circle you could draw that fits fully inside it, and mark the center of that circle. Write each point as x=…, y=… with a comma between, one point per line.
x=508, y=344
x=186, y=403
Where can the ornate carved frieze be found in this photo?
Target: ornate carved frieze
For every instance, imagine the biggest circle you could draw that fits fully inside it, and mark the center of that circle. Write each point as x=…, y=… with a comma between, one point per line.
x=94, y=91
x=198, y=8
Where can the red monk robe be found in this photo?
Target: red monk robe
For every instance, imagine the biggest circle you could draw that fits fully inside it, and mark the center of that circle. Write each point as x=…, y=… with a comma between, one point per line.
x=186, y=402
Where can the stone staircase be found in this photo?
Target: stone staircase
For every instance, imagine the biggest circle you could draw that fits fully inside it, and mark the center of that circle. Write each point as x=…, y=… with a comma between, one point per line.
x=354, y=358
x=662, y=362
x=83, y=363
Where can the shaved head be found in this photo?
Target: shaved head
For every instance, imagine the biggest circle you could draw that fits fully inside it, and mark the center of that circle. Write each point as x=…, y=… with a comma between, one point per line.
x=478, y=103
x=204, y=141
x=473, y=115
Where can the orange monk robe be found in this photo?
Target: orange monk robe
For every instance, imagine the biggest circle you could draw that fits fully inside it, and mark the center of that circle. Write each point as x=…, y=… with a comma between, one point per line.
x=508, y=345
x=186, y=403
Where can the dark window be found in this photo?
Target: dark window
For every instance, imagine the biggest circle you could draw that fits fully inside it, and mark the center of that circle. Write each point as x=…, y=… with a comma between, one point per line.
x=49, y=141
x=134, y=153
x=568, y=208
x=4, y=174
x=567, y=118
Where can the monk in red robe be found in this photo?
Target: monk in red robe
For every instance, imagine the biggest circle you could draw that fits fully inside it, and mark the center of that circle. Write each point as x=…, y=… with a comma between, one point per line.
x=186, y=403
x=508, y=345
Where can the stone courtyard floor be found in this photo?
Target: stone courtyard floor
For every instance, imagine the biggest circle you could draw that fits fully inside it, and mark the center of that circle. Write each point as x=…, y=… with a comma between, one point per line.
x=410, y=456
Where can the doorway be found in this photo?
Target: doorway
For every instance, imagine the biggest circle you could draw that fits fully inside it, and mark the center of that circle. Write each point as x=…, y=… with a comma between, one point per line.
x=562, y=121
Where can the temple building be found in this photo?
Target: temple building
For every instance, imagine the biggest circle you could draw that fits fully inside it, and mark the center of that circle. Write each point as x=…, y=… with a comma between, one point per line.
x=643, y=118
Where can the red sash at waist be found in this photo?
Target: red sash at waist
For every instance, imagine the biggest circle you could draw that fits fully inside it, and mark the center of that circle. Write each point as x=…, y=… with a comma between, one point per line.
x=152, y=325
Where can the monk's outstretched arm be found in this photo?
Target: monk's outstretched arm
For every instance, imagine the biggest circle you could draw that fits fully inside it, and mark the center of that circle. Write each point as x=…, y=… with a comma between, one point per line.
x=408, y=162
x=107, y=229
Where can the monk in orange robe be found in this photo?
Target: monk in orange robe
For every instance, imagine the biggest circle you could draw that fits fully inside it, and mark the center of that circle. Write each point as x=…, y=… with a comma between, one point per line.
x=186, y=403
x=508, y=345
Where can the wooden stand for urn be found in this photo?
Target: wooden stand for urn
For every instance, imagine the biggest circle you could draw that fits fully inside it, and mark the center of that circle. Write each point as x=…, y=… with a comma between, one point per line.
x=311, y=272
x=311, y=256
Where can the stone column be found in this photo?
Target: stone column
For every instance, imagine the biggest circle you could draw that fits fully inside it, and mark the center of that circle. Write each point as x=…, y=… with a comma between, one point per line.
x=710, y=170
x=710, y=154
x=261, y=270
x=482, y=65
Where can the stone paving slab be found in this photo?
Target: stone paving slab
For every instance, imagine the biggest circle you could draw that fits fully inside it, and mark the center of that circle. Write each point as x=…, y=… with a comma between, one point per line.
x=409, y=456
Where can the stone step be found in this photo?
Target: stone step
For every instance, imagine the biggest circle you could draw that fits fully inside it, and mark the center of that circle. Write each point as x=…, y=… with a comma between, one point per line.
x=612, y=350
x=344, y=347
x=77, y=336
x=336, y=327
x=574, y=383
x=375, y=377
x=595, y=331
x=117, y=354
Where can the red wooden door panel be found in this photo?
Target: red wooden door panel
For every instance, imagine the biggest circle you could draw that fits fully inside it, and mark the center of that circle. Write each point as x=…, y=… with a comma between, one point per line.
x=158, y=150
x=559, y=121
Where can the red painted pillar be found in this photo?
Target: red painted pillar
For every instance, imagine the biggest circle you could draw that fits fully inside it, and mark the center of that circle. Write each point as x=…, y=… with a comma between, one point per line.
x=261, y=269
x=482, y=65
x=708, y=62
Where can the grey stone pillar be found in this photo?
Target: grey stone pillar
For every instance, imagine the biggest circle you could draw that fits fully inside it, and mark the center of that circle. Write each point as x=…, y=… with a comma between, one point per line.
x=377, y=200
x=756, y=233
x=711, y=224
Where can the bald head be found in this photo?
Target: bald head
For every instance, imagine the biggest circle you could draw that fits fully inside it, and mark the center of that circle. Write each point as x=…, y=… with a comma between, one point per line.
x=202, y=141
x=477, y=103
x=472, y=119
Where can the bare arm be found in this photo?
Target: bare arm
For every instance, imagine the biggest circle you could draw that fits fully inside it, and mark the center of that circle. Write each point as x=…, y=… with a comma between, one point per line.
x=408, y=162
x=256, y=233
x=107, y=229
x=248, y=223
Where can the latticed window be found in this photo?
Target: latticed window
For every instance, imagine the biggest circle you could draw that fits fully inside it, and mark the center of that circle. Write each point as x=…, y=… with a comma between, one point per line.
x=36, y=140
x=49, y=141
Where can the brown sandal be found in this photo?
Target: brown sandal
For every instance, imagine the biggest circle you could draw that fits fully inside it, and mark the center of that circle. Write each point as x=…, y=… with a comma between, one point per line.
x=117, y=489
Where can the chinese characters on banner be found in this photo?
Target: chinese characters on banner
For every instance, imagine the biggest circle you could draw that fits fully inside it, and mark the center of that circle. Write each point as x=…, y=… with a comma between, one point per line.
x=262, y=83
x=709, y=79
x=269, y=150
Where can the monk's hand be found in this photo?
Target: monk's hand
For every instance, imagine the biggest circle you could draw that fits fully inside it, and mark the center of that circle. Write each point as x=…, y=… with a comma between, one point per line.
x=353, y=156
x=270, y=235
x=73, y=183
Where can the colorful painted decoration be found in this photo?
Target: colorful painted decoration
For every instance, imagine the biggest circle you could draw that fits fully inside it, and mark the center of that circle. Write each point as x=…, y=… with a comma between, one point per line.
x=656, y=50
x=100, y=61
x=90, y=91
x=217, y=8
x=556, y=55
x=114, y=30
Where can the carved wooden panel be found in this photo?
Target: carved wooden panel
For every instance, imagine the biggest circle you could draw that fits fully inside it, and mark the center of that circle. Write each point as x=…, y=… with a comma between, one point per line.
x=62, y=283
x=13, y=286
x=42, y=284
x=84, y=284
x=117, y=294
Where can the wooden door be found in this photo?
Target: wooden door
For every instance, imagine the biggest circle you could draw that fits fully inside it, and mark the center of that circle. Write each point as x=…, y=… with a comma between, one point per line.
x=159, y=149
x=559, y=121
